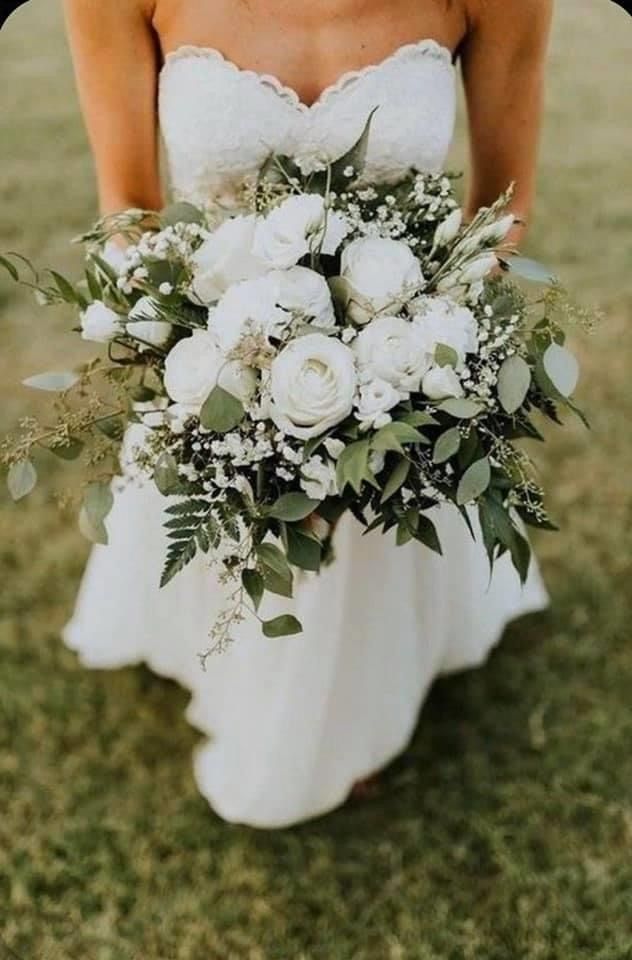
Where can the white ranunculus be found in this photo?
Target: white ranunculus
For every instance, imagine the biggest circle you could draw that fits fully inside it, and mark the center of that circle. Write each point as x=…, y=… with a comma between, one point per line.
x=312, y=385
x=440, y=383
x=374, y=401
x=382, y=272
x=306, y=292
x=249, y=307
x=225, y=258
x=144, y=325
x=390, y=348
x=196, y=365
x=99, y=323
x=441, y=320
x=299, y=224
x=318, y=478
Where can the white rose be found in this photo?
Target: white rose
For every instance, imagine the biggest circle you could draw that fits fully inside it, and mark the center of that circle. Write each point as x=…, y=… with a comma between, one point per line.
x=249, y=307
x=318, y=478
x=143, y=323
x=440, y=383
x=99, y=323
x=196, y=365
x=295, y=227
x=382, y=272
x=225, y=258
x=312, y=385
x=390, y=348
x=441, y=320
x=374, y=401
x=304, y=291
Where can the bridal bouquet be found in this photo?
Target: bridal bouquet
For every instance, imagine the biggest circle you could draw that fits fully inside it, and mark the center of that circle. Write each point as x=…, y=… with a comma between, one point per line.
x=333, y=346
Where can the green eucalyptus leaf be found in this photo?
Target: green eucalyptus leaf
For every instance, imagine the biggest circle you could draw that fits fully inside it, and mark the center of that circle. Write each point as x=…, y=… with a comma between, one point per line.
x=221, y=411
x=292, y=507
x=474, y=482
x=166, y=475
x=92, y=530
x=53, y=381
x=446, y=445
x=65, y=288
x=181, y=212
x=514, y=380
x=460, y=407
x=445, y=355
x=98, y=500
x=419, y=418
x=284, y=626
x=562, y=368
x=528, y=269
x=21, y=479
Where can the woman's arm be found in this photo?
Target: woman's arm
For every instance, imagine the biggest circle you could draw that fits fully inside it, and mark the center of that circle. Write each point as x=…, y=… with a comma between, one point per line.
x=116, y=64
x=503, y=70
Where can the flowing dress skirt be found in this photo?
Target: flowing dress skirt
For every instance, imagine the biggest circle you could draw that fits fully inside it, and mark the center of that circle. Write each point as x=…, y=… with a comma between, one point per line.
x=292, y=723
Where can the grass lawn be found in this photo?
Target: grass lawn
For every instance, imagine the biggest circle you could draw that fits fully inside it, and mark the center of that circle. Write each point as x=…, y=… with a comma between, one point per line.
x=505, y=832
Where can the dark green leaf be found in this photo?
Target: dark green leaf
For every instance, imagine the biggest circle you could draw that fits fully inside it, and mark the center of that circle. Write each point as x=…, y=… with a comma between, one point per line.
x=355, y=157
x=112, y=427
x=254, y=586
x=292, y=507
x=426, y=533
x=284, y=626
x=396, y=479
x=68, y=451
x=270, y=556
x=393, y=435
x=303, y=550
x=352, y=465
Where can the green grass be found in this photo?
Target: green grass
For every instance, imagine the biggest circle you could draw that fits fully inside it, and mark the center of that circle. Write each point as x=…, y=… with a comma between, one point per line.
x=505, y=832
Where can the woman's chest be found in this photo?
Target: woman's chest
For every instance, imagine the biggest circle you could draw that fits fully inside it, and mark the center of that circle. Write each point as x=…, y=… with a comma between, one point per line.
x=306, y=46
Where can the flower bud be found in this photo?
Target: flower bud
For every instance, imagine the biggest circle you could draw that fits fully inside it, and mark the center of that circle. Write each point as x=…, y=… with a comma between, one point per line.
x=447, y=231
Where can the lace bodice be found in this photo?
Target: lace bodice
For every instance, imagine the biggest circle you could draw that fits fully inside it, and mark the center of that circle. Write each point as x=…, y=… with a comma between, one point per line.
x=220, y=122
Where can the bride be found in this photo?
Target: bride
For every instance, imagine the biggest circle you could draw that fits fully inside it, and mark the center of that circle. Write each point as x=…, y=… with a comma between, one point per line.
x=292, y=724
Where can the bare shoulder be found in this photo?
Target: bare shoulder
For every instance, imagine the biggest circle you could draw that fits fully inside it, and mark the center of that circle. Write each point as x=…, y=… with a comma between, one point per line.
x=96, y=10
x=510, y=19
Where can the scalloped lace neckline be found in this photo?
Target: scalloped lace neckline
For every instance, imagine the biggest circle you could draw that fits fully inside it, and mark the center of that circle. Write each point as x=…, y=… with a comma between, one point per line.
x=348, y=78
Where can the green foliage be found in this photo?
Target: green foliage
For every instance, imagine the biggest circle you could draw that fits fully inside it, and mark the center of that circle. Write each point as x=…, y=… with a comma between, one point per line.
x=221, y=411
x=191, y=527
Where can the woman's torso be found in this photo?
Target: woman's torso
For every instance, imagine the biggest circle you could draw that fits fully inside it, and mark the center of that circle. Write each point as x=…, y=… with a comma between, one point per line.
x=239, y=85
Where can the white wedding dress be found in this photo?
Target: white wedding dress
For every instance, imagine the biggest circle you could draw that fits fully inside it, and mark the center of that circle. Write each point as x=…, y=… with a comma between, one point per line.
x=291, y=724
